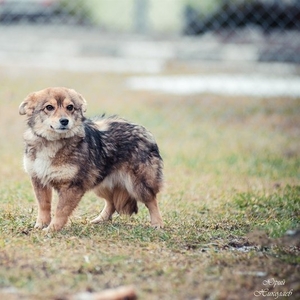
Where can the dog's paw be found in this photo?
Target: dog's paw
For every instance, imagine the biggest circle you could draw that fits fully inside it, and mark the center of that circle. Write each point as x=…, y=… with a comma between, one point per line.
x=40, y=225
x=100, y=219
x=52, y=228
x=46, y=230
x=157, y=225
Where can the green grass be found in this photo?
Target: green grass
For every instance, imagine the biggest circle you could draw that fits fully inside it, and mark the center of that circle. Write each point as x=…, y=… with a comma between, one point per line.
x=275, y=213
x=232, y=190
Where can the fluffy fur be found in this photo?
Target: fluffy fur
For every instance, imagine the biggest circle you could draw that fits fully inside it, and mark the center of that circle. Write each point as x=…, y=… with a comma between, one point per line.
x=64, y=151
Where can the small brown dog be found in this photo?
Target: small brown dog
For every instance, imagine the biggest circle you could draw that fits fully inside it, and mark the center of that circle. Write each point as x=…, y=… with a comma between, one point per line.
x=118, y=160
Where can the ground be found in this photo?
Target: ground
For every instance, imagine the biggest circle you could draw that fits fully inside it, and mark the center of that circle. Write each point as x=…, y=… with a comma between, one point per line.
x=232, y=191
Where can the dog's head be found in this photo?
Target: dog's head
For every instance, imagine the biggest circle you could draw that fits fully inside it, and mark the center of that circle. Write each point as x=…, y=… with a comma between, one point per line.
x=54, y=113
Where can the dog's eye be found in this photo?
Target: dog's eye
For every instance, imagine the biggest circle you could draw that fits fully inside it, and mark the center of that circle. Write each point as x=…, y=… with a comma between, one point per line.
x=70, y=107
x=50, y=107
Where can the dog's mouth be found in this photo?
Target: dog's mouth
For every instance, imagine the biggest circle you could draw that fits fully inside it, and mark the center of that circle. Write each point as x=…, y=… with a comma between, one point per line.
x=60, y=128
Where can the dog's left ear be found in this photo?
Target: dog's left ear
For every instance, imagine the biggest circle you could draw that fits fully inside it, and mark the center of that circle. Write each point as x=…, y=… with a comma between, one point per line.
x=25, y=108
x=83, y=103
x=80, y=101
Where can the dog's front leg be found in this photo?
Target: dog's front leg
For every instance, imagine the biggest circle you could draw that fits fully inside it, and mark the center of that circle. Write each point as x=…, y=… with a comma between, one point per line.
x=68, y=198
x=43, y=196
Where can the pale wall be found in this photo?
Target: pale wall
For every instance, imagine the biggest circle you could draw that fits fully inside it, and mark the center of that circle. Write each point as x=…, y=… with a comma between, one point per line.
x=154, y=16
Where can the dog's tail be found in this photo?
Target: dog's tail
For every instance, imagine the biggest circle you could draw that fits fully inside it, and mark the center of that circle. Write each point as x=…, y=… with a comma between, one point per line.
x=124, y=203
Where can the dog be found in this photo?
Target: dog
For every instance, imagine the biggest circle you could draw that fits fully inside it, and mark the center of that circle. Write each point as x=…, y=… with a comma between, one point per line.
x=71, y=154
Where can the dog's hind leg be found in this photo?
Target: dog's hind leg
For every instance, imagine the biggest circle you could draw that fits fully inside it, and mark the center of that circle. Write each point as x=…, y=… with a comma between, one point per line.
x=43, y=196
x=146, y=193
x=109, y=208
x=156, y=219
x=106, y=213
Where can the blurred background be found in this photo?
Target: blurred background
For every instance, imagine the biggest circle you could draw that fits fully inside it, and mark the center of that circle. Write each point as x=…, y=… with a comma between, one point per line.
x=237, y=47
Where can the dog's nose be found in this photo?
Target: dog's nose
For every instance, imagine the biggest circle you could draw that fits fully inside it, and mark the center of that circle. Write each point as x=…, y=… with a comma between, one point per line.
x=64, y=121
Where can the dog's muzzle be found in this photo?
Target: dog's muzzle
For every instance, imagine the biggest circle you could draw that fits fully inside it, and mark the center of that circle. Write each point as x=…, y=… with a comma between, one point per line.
x=63, y=125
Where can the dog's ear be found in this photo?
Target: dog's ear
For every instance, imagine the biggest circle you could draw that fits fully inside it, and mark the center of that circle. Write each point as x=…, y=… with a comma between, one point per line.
x=22, y=108
x=26, y=107
x=80, y=102
x=83, y=103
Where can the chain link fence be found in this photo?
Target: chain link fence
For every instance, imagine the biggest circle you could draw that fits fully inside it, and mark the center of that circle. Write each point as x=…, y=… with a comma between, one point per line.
x=252, y=31
x=272, y=25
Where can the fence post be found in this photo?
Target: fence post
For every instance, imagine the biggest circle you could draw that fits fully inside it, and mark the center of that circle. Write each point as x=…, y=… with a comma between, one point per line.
x=141, y=16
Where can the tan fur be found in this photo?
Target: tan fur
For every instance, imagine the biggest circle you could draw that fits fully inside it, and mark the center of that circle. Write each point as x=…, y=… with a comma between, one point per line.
x=118, y=160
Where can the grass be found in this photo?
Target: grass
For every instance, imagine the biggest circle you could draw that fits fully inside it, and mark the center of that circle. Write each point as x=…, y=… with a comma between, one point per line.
x=232, y=191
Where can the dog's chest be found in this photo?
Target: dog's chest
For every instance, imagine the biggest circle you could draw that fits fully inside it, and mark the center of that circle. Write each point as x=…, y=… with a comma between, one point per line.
x=41, y=162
